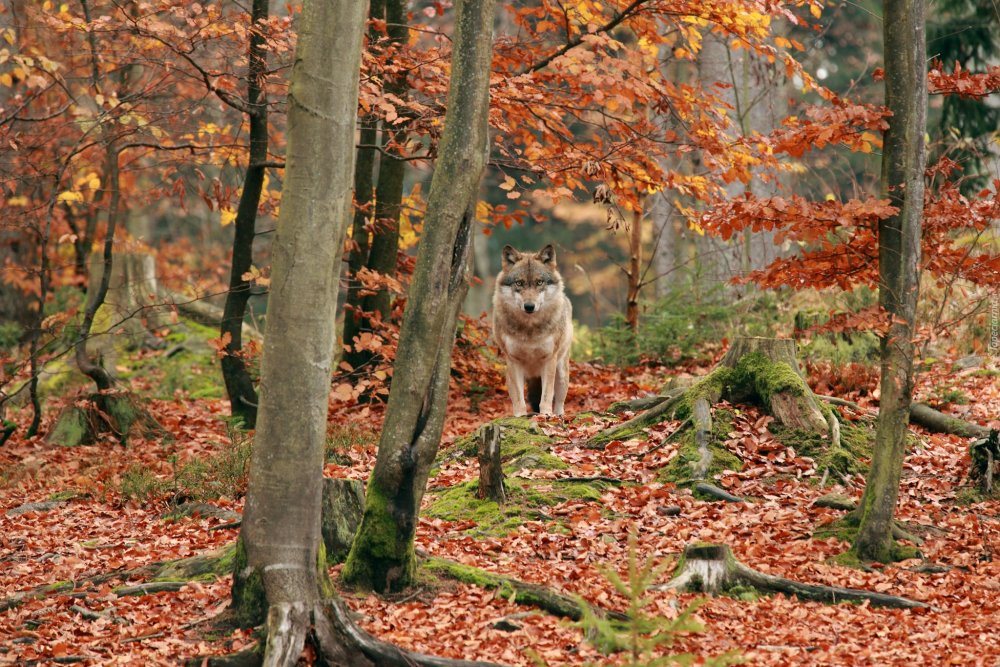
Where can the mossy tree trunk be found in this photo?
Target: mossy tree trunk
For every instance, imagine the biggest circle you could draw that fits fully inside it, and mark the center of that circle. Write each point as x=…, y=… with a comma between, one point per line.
x=239, y=384
x=382, y=556
x=903, y=162
x=281, y=523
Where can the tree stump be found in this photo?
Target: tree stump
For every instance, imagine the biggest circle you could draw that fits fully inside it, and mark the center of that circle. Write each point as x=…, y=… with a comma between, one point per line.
x=759, y=370
x=712, y=568
x=491, y=484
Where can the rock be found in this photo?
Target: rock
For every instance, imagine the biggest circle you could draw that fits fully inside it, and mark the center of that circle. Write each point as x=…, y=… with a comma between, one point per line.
x=43, y=506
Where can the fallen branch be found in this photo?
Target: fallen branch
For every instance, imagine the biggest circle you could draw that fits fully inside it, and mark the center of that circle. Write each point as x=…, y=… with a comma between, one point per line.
x=712, y=568
x=716, y=492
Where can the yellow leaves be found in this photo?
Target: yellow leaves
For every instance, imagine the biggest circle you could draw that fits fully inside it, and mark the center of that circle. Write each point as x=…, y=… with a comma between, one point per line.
x=255, y=276
x=19, y=200
x=70, y=196
x=508, y=185
x=6, y=79
x=9, y=36
x=815, y=10
x=227, y=215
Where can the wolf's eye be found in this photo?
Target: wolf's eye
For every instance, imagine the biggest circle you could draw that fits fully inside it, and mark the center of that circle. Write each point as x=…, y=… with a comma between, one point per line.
x=518, y=283
x=539, y=283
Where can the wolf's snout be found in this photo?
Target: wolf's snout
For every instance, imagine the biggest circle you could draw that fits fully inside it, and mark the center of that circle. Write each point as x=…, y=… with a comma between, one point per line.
x=529, y=307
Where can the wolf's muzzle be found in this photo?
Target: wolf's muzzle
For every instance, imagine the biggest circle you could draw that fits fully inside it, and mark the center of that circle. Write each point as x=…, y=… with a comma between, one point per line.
x=529, y=307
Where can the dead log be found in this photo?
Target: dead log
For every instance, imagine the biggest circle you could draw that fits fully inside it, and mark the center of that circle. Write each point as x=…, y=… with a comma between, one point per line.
x=712, y=568
x=934, y=420
x=491, y=484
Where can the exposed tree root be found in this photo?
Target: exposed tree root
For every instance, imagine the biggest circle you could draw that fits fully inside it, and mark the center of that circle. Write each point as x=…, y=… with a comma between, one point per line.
x=512, y=589
x=714, y=491
x=934, y=420
x=712, y=568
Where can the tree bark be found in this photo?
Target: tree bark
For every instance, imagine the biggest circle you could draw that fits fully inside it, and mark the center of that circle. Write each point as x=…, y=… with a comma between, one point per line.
x=382, y=556
x=281, y=522
x=634, y=270
x=364, y=195
x=384, y=251
x=239, y=384
x=903, y=162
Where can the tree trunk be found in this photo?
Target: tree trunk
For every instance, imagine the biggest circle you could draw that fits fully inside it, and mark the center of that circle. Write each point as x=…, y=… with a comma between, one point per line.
x=281, y=523
x=382, y=556
x=364, y=197
x=239, y=384
x=384, y=251
x=634, y=270
x=903, y=162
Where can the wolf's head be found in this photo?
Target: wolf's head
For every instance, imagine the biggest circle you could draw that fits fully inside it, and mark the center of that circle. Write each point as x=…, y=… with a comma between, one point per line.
x=529, y=280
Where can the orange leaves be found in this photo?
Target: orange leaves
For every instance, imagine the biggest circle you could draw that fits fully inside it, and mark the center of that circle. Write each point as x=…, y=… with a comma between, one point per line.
x=963, y=82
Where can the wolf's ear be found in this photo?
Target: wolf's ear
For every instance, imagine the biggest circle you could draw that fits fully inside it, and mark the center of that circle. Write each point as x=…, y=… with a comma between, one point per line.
x=510, y=256
x=547, y=255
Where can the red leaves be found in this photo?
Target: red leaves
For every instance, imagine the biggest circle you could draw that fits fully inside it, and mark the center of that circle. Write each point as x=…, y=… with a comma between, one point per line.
x=963, y=82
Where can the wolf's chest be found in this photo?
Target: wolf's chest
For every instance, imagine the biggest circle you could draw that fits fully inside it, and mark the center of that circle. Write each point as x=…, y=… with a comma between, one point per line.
x=529, y=351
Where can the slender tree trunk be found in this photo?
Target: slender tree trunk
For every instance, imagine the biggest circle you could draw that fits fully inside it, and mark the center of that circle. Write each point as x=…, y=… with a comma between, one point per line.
x=384, y=251
x=364, y=195
x=382, y=556
x=239, y=384
x=634, y=269
x=280, y=535
x=903, y=162
x=95, y=297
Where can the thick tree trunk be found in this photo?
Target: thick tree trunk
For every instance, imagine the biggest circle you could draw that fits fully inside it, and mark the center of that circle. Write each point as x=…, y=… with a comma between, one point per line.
x=239, y=384
x=903, y=162
x=382, y=556
x=281, y=522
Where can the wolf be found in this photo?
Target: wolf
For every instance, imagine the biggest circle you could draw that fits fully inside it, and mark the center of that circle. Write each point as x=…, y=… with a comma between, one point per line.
x=533, y=327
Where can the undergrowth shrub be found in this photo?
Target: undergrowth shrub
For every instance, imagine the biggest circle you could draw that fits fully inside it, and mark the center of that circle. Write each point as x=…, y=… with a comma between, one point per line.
x=222, y=475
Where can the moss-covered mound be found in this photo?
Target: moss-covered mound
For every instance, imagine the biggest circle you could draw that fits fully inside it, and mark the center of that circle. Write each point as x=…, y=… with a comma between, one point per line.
x=522, y=445
x=678, y=470
x=527, y=500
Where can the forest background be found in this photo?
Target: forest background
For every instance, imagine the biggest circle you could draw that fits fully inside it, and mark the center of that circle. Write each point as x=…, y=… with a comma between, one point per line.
x=708, y=171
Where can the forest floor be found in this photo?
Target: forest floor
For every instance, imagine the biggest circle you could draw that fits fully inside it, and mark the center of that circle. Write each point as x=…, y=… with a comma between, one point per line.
x=96, y=530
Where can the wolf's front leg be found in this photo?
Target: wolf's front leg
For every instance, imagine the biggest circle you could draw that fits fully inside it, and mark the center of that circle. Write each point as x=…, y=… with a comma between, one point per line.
x=515, y=387
x=562, y=385
x=548, y=387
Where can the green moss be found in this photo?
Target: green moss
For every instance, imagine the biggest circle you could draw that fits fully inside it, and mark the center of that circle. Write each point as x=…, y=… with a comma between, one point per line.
x=845, y=529
x=517, y=435
x=381, y=558
x=249, y=599
x=678, y=470
x=527, y=500
x=206, y=567
x=855, y=451
x=71, y=429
